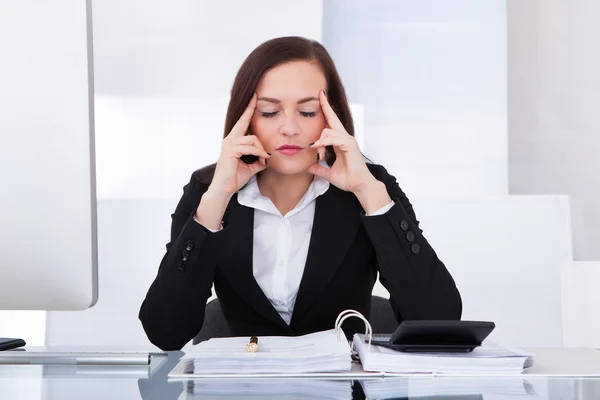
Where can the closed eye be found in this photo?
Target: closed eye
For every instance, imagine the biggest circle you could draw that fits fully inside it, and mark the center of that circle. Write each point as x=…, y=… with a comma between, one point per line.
x=274, y=113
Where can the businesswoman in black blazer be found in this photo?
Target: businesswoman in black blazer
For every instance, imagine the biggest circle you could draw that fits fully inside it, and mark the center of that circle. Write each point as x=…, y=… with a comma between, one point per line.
x=291, y=225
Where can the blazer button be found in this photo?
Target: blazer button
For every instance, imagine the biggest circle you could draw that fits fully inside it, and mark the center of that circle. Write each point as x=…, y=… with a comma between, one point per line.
x=185, y=255
x=415, y=248
x=404, y=225
x=410, y=236
x=189, y=245
x=180, y=266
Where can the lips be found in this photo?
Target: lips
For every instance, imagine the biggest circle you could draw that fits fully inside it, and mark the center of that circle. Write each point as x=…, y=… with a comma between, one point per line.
x=289, y=149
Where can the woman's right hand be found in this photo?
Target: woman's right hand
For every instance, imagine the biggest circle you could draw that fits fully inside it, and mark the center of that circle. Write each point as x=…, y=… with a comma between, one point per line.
x=231, y=173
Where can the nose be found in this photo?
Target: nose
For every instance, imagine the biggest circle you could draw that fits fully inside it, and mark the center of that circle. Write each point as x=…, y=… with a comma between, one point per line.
x=289, y=127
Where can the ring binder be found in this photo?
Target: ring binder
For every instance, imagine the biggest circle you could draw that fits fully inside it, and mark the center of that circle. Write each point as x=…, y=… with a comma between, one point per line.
x=353, y=313
x=317, y=352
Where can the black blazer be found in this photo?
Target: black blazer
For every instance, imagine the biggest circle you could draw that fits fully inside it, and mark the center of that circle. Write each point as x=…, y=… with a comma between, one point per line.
x=347, y=250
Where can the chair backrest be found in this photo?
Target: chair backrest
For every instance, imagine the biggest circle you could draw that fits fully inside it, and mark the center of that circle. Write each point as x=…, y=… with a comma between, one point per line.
x=215, y=324
x=382, y=320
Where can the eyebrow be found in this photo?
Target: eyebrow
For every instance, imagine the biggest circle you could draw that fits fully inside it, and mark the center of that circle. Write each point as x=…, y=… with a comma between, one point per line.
x=277, y=101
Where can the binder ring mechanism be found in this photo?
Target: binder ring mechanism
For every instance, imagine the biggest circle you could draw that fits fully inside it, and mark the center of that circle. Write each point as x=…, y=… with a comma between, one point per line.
x=348, y=314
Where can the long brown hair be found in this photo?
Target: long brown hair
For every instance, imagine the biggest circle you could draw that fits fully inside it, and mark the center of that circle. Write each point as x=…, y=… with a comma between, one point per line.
x=269, y=55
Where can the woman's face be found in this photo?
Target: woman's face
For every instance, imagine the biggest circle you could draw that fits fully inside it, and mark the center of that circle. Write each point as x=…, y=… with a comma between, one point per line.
x=288, y=115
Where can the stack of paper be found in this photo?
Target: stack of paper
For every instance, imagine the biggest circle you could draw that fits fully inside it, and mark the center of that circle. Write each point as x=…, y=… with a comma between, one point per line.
x=487, y=359
x=315, y=352
x=277, y=388
x=427, y=386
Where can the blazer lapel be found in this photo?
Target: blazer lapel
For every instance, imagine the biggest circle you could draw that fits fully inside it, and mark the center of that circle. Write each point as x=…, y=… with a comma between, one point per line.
x=336, y=222
x=237, y=262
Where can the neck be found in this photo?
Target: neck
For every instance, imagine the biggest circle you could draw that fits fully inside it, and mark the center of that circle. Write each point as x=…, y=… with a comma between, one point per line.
x=285, y=191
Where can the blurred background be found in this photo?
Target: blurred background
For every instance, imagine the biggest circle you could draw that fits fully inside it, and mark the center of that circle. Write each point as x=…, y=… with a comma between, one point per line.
x=485, y=111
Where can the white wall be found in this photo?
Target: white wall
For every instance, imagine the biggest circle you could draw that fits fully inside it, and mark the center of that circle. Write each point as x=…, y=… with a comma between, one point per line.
x=554, y=93
x=580, y=302
x=431, y=76
x=506, y=254
x=163, y=75
x=132, y=234
x=187, y=48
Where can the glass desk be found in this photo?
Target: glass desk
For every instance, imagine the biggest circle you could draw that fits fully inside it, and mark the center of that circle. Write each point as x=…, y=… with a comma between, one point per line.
x=66, y=382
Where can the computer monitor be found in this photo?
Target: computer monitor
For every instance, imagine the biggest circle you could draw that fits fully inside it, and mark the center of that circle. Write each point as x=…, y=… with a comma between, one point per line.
x=48, y=246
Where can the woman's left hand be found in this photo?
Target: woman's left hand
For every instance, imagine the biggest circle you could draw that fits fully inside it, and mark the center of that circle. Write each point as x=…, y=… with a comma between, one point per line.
x=349, y=172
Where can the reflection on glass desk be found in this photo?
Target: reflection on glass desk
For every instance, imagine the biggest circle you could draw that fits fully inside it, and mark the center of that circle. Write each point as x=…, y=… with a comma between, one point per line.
x=65, y=382
x=88, y=355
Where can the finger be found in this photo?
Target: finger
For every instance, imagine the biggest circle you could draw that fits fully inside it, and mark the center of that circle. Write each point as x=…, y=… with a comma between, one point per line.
x=321, y=152
x=327, y=132
x=241, y=126
x=247, y=139
x=336, y=141
x=330, y=116
x=324, y=133
x=242, y=149
x=256, y=142
x=319, y=170
x=257, y=166
x=251, y=140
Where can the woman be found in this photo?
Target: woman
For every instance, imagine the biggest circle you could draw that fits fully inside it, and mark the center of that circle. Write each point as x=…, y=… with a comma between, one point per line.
x=292, y=225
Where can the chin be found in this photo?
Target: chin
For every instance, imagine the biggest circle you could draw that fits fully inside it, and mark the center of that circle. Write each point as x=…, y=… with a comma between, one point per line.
x=291, y=167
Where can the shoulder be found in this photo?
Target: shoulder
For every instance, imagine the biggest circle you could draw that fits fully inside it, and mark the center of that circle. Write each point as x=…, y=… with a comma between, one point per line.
x=204, y=175
x=199, y=182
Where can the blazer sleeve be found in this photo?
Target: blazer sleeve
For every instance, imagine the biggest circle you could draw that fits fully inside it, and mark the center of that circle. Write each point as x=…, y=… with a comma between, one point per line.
x=419, y=284
x=173, y=311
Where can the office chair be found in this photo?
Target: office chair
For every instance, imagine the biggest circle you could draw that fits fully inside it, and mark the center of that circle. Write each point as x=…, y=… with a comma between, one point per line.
x=214, y=325
x=382, y=320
